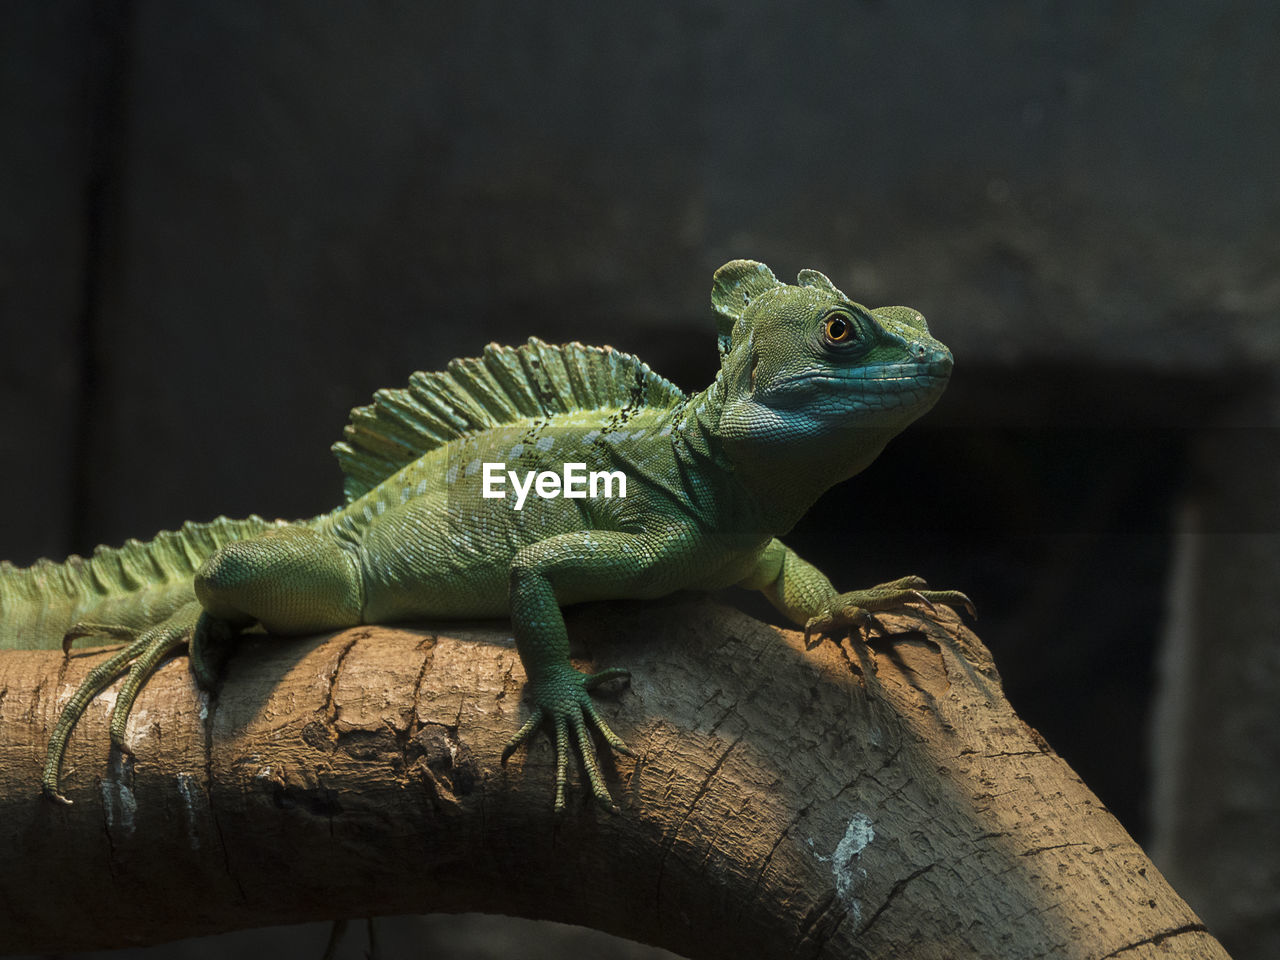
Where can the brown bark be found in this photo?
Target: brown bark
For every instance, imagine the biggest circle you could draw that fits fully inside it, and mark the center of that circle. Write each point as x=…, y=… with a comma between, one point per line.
x=843, y=801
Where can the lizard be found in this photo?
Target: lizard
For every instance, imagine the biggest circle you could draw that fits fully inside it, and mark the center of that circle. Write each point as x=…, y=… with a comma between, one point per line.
x=811, y=386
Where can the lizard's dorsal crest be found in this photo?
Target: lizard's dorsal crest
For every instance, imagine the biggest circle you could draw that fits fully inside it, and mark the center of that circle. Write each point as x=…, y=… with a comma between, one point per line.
x=819, y=281
x=504, y=385
x=733, y=288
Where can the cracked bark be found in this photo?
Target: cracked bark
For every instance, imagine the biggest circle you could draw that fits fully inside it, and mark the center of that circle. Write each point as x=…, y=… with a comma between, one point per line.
x=357, y=774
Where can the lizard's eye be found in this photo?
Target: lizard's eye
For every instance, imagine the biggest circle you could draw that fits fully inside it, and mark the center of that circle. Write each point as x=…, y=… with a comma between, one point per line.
x=838, y=328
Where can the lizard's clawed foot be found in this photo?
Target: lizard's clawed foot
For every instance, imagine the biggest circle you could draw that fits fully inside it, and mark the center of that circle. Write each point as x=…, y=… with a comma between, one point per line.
x=856, y=609
x=140, y=656
x=562, y=698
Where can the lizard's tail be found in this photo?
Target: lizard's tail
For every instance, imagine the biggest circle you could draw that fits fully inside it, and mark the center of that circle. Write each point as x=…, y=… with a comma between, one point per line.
x=134, y=585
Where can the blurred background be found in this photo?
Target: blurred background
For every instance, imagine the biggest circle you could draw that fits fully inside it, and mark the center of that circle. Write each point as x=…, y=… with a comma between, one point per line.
x=226, y=223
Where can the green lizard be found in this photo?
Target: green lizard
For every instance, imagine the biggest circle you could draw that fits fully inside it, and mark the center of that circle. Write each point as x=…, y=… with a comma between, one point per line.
x=438, y=522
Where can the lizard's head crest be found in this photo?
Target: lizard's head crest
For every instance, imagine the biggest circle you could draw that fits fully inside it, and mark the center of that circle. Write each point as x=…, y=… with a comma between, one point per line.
x=734, y=288
x=804, y=367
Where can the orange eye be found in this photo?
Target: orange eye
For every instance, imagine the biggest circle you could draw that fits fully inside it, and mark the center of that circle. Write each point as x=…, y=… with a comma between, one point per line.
x=838, y=328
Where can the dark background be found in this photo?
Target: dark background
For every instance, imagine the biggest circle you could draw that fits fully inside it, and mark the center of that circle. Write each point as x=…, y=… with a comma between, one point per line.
x=225, y=224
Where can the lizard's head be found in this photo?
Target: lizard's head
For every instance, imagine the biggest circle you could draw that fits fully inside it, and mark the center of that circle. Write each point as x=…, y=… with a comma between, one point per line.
x=808, y=374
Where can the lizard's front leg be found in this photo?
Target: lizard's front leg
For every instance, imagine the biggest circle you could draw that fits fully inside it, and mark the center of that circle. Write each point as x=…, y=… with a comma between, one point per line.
x=802, y=593
x=572, y=567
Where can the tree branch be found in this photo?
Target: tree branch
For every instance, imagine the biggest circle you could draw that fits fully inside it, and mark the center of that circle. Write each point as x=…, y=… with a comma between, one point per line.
x=844, y=801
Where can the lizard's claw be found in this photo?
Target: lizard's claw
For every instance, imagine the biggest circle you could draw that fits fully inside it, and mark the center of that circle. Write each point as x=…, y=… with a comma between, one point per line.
x=562, y=698
x=139, y=658
x=835, y=619
x=857, y=608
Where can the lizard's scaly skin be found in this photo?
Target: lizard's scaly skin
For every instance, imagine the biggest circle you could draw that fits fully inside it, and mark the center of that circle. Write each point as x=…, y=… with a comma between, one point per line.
x=810, y=389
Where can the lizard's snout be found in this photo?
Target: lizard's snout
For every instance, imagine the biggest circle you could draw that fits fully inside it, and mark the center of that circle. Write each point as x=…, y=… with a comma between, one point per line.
x=932, y=355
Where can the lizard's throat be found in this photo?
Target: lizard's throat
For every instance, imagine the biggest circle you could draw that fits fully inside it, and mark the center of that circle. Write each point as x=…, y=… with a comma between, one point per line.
x=788, y=478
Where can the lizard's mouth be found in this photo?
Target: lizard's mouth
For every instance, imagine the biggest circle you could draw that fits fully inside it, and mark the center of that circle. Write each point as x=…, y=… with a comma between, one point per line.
x=898, y=380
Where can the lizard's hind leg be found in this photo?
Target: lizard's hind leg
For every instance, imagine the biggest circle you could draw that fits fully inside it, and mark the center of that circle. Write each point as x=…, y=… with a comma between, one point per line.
x=292, y=580
x=143, y=653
